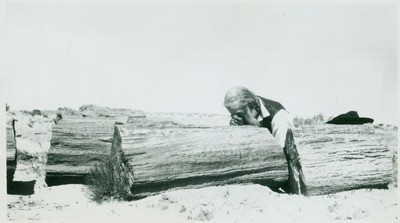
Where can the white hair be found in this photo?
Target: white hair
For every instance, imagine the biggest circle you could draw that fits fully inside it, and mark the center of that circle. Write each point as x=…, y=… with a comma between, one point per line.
x=238, y=97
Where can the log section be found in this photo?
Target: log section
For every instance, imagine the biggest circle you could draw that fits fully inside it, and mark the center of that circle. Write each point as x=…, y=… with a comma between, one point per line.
x=169, y=157
x=334, y=158
x=11, y=149
x=76, y=145
x=346, y=157
x=166, y=154
x=28, y=140
x=11, y=152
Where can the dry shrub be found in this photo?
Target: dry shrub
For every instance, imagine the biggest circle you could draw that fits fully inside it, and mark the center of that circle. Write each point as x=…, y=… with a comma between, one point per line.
x=107, y=181
x=315, y=120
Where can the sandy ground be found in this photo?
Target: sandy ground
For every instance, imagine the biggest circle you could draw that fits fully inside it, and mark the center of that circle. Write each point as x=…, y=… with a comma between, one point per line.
x=233, y=203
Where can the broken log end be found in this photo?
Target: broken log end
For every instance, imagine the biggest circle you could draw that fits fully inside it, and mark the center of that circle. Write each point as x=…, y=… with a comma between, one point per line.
x=296, y=179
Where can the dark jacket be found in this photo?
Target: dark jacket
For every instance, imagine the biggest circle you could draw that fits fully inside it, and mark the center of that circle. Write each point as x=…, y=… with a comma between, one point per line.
x=272, y=107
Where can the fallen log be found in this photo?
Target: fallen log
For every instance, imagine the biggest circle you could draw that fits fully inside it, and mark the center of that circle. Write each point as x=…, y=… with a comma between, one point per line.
x=296, y=182
x=333, y=158
x=97, y=111
x=28, y=140
x=10, y=137
x=169, y=157
x=29, y=134
x=77, y=144
x=82, y=138
x=167, y=154
x=11, y=152
x=346, y=157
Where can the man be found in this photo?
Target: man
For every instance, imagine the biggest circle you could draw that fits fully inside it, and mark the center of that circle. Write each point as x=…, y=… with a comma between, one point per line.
x=246, y=108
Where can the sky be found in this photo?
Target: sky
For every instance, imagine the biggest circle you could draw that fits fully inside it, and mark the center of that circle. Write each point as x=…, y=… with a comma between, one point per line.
x=313, y=58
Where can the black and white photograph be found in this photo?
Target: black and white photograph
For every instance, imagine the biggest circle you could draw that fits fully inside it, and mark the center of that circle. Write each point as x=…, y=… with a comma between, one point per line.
x=199, y=111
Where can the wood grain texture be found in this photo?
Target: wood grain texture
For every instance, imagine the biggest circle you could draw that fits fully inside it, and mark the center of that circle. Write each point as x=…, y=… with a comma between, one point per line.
x=32, y=141
x=334, y=158
x=296, y=180
x=77, y=144
x=168, y=154
x=164, y=157
x=80, y=142
x=337, y=158
x=10, y=137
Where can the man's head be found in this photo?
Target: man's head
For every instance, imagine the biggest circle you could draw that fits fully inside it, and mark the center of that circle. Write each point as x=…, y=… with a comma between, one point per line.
x=243, y=103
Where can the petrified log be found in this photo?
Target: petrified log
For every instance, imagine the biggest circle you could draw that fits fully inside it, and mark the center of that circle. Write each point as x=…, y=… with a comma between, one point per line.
x=28, y=142
x=345, y=157
x=165, y=155
x=10, y=136
x=28, y=138
x=82, y=138
x=296, y=180
x=97, y=111
x=11, y=152
x=333, y=158
x=76, y=145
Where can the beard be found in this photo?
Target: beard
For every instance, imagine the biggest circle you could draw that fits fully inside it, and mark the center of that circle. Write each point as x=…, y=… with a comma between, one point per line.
x=252, y=121
x=250, y=117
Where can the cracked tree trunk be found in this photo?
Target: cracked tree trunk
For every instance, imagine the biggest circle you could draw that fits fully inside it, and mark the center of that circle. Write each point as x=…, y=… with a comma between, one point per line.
x=77, y=144
x=11, y=154
x=164, y=155
x=119, y=162
x=296, y=180
x=325, y=159
x=28, y=138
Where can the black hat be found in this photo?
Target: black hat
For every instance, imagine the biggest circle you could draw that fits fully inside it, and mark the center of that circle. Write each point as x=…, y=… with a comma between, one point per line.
x=350, y=118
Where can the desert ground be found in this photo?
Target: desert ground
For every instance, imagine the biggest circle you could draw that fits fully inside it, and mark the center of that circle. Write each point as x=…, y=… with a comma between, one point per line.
x=232, y=203
x=228, y=203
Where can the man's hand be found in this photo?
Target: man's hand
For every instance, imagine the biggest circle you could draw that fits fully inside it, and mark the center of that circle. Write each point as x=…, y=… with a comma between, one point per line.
x=236, y=120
